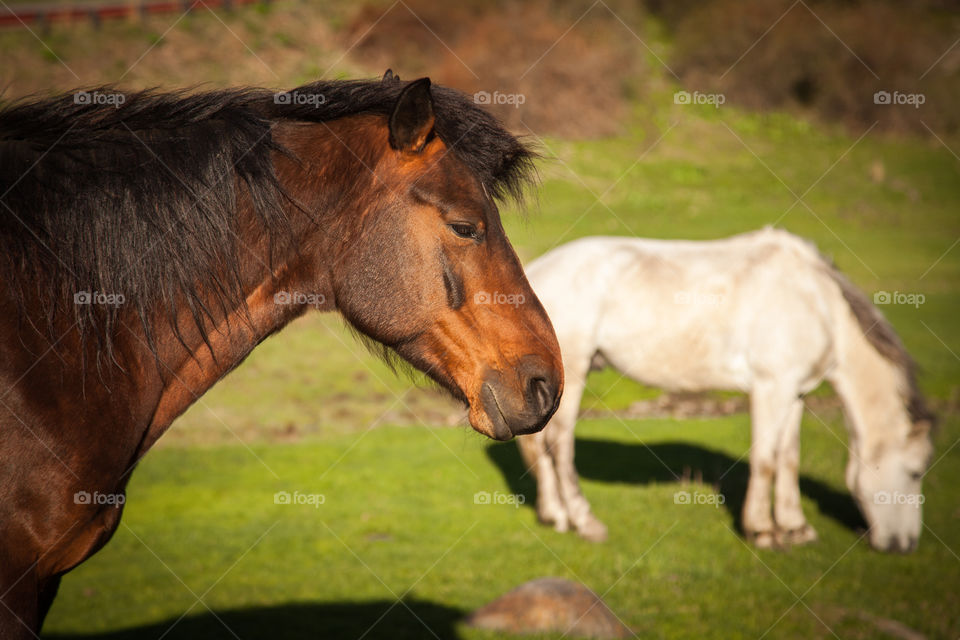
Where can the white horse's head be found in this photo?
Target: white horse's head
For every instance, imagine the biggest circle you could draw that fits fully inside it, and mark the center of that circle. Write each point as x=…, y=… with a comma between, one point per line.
x=890, y=425
x=885, y=478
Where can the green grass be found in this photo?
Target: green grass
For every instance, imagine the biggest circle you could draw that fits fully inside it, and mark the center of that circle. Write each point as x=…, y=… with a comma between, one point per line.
x=399, y=520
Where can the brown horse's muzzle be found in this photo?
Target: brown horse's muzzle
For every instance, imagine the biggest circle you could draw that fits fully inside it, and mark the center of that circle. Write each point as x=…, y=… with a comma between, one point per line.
x=519, y=400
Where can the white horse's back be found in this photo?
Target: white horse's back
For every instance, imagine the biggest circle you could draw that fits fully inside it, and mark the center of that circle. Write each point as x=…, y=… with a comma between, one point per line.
x=692, y=315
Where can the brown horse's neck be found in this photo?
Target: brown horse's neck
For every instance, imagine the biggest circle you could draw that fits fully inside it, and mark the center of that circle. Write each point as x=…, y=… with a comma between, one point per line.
x=282, y=278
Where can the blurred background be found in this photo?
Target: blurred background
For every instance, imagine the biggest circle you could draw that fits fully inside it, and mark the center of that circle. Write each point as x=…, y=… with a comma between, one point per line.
x=837, y=120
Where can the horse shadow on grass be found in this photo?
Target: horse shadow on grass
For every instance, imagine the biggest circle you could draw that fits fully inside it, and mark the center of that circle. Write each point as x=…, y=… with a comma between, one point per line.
x=377, y=620
x=670, y=462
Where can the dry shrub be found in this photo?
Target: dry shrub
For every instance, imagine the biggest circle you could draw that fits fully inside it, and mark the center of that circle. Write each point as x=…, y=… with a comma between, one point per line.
x=800, y=64
x=579, y=87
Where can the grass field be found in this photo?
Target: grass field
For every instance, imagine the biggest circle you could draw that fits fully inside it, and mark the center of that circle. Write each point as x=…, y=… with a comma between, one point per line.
x=399, y=522
x=399, y=543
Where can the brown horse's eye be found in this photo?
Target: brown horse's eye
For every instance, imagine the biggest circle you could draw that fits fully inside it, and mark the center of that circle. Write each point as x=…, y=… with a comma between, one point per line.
x=465, y=230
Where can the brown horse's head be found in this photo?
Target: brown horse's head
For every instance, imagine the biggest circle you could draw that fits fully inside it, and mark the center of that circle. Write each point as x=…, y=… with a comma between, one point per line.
x=431, y=274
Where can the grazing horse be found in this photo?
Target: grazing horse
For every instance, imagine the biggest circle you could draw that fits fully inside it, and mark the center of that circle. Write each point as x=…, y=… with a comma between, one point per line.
x=150, y=243
x=762, y=313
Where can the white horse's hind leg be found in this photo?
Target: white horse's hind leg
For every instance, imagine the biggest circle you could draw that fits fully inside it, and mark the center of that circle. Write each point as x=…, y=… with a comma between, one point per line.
x=791, y=525
x=771, y=405
x=550, y=508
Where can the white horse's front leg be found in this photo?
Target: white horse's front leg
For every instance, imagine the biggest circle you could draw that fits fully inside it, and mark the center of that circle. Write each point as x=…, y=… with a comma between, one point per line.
x=560, y=447
x=578, y=508
x=770, y=406
x=791, y=526
x=550, y=509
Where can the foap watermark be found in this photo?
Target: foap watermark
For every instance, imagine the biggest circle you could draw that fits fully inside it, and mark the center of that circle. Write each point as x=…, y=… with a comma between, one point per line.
x=685, y=97
x=301, y=99
x=885, y=497
x=699, y=498
x=297, y=498
x=97, y=498
x=512, y=299
x=99, y=297
x=485, y=497
x=512, y=99
x=699, y=298
x=913, y=99
x=899, y=297
x=298, y=297
x=99, y=97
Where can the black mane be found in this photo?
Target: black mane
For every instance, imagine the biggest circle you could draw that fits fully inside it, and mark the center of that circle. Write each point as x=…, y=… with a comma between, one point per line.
x=140, y=199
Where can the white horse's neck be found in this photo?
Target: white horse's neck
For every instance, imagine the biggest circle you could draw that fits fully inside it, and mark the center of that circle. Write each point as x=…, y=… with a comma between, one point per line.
x=871, y=387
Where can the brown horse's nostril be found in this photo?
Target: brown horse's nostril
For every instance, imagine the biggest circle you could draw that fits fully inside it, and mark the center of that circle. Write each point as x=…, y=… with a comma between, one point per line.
x=542, y=398
x=540, y=395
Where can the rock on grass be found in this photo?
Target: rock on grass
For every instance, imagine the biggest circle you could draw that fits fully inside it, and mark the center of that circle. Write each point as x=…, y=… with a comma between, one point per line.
x=550, y=604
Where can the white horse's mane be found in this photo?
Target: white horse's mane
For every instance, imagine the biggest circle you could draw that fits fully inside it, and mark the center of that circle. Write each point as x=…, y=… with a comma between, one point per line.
x=881, y=335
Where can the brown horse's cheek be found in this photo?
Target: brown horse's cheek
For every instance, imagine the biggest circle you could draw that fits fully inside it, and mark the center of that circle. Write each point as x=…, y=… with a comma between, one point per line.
x=392, y=287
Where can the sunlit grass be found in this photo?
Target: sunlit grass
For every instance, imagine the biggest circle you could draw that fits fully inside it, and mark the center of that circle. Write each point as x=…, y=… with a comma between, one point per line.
x=399, y=514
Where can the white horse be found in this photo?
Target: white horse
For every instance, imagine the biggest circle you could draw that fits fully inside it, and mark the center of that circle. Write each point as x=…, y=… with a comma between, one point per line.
x=762, y=313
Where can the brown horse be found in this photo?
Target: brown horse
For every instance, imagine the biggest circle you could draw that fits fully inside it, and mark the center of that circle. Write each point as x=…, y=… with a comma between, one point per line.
x=151, y=241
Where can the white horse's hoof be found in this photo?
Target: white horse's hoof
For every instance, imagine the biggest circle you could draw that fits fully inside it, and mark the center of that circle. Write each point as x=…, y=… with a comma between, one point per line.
x=796, y=537
x=593, y=531
x=763, y=539
x=556, y=519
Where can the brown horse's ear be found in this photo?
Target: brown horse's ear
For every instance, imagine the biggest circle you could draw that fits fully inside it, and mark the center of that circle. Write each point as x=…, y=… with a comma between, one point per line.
x=390, y=77
x=411, y=122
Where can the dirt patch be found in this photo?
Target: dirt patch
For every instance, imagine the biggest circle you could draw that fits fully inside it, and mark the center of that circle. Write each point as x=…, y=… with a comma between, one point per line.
x=680, y=406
